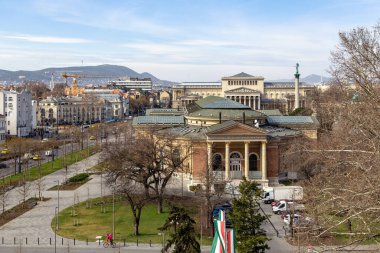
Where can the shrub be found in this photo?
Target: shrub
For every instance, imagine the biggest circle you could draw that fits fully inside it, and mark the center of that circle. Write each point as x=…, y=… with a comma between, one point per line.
x=79, y=178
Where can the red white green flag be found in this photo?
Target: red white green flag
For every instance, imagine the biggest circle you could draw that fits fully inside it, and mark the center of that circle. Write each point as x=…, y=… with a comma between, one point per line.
x=224, y=240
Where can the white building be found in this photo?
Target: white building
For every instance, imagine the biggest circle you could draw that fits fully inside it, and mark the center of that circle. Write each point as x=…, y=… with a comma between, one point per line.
x=2, y=129
x=34, y=114
x=17, y=108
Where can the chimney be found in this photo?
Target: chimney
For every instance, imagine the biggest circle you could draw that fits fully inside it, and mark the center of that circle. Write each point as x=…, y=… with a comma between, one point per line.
x=220, y=117
x=243, y=117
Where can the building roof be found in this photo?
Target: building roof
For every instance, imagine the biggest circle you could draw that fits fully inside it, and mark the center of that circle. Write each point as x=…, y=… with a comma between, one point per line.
x=242, y=74
x=198, y=83
x=274, y=112
x=201, y=132
x=164, y=111
x=214, y=102
x=278, y=132
x=286, y=85
x=158, y=120
x=229, y=114
x=292, y=120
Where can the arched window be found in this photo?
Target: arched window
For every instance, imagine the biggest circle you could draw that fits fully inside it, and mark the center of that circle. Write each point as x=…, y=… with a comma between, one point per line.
x=235, y=161
x=253, y=162
x=217, y=164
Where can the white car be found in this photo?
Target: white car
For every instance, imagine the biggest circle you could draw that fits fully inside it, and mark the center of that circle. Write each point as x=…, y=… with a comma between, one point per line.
x=296, y=219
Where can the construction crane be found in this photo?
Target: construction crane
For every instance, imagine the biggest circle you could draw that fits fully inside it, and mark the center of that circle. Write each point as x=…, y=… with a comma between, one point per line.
x=76, y=76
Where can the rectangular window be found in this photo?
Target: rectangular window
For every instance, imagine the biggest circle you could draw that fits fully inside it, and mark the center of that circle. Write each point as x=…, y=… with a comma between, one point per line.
x=9, y=122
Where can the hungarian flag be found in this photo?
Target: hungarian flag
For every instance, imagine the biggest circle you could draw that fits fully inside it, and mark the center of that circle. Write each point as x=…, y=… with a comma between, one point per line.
x=231, y=241
x=224, y=241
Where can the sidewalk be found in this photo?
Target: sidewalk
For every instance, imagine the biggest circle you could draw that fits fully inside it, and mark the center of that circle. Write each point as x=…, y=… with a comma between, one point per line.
x=36, y=223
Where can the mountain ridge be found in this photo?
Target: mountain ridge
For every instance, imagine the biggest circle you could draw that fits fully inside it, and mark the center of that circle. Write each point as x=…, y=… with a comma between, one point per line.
x=109, y=71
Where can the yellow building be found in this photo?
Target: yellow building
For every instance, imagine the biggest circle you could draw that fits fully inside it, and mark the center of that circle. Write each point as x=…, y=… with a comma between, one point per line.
x=246, y=89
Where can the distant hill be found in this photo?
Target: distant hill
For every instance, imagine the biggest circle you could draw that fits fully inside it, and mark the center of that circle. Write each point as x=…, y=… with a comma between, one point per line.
x=312, y=79
x=107, y=70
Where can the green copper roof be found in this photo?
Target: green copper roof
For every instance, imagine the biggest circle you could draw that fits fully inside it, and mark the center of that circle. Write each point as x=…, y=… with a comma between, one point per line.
x=164, y=111
x=274, y=112
x=226, y=114
x=292, y=120
x=213, y=102
x=158, y=120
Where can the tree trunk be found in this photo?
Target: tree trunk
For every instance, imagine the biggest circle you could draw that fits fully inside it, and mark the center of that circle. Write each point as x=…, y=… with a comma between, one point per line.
x=136, y=226
x=160, y=201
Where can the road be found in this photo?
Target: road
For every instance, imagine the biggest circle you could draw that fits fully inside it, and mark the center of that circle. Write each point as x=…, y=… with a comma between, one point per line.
x=63, y=149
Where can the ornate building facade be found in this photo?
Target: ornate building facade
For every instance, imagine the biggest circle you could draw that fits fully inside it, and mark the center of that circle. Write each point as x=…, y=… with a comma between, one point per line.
x=231, y=138
x=246, y=89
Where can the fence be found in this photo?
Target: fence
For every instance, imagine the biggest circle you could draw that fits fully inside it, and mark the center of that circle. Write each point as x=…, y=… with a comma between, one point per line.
x=60, y=241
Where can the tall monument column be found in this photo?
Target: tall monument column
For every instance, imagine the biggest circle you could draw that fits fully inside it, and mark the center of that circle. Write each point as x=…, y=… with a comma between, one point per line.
x=296, y=86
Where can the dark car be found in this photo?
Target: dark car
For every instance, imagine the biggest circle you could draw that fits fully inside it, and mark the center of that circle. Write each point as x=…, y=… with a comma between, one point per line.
x=3, y=166
x=227, y=208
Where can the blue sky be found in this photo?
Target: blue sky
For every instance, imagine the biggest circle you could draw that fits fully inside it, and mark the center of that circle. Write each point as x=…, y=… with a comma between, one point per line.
x=180, y=40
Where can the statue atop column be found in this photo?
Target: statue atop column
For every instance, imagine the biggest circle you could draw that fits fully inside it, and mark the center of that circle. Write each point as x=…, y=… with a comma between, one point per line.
x=297, y=74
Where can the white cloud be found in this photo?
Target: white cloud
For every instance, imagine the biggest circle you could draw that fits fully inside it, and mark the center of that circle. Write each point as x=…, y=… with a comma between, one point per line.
x=46, y=39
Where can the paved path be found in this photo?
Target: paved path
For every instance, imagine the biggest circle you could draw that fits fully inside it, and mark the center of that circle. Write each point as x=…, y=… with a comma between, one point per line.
x=36, y=222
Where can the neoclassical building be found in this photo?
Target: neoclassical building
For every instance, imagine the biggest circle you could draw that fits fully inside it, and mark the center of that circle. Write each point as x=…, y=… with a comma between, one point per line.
x=231, y=138
x=245, y=89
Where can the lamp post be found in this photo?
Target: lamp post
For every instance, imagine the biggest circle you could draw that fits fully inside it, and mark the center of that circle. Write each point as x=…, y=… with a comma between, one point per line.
x=55, y=230
x=57, y=215
x=113, y=211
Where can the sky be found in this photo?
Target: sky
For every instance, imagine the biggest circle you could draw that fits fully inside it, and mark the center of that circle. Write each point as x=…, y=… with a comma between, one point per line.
x=180, y=40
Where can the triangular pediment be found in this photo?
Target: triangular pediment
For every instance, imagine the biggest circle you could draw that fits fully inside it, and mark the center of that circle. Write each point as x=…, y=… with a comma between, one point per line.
x=242, y=90
x=233, y=128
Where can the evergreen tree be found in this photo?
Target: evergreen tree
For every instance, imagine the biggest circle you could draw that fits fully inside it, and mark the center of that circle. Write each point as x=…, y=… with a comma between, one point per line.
x=183, y=236
x=246, y=219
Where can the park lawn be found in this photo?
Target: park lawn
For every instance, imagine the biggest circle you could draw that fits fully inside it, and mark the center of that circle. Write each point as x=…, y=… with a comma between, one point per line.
x=93, y=222
x=47, y=168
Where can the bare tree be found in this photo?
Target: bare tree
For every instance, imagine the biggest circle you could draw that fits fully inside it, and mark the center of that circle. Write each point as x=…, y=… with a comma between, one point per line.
x=3, y=197
x=343, y=194
x=150, y=159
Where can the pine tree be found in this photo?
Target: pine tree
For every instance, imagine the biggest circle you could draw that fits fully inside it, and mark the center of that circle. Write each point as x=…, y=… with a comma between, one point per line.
x=183, y=236
x=246, y=219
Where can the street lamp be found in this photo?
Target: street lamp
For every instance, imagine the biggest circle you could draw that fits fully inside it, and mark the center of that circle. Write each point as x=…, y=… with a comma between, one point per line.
x=163, y=239
x=55, y=230
x=113, y=211
x=57, y=215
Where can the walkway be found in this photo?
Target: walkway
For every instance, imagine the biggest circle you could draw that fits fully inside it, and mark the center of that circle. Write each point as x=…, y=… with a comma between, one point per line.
x=36, y=222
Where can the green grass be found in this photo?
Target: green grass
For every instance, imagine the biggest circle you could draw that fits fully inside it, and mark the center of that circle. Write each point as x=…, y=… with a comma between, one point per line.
x=47, y=168
x=93, y=222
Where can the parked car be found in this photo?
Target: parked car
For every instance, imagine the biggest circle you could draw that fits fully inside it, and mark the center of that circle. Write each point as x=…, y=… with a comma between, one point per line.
x=92, y=138
x=28, y=156
x=3, y=165
x=5, y=151
x=296, y=219
x=48, y=153
x=45, y=139
x=37, y=157
x=227, y=208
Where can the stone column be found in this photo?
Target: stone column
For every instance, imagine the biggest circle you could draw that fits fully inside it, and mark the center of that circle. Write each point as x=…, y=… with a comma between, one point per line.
x=250, y=102
x=243, y=100
x=258, y=103
x=209, y=155
x=296, y=91
x=246, y=160
x=254, y=102
x=263, y=160
x=227, y=159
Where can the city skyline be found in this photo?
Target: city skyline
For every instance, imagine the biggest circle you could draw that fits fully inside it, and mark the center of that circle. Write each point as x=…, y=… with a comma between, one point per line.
x=180, y=40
